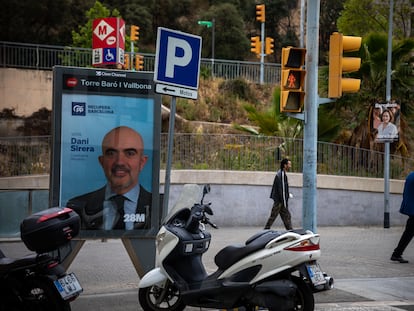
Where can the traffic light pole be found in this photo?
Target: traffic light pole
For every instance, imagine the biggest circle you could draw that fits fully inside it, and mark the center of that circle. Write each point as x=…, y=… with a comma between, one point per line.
x=262, y=52
x=387, y=144
x=132, y=57
x=309, y=203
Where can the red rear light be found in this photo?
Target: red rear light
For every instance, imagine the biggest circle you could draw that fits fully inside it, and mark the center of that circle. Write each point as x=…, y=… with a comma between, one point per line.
x=63, y=211
x=52, y=264
x=304, y=246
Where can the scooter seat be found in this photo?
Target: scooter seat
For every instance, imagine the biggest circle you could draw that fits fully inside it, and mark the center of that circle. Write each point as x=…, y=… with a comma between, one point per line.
x=233, y=253
x=8, y=264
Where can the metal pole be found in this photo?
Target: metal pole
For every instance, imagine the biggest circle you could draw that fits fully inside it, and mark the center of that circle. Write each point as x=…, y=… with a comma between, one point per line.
x=311, y=117
x=131, y=60
x=262, y=50
x=212, y=46
x=169, y=157
x=302, y=22
x=388, y=100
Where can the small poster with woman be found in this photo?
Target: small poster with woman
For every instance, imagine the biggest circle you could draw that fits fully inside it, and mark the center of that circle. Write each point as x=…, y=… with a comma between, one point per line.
x=386, y=121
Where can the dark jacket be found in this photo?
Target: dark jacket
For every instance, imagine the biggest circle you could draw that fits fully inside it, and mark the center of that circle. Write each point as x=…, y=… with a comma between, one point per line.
x=407, y=204
x=89, y=206
x=277, y=189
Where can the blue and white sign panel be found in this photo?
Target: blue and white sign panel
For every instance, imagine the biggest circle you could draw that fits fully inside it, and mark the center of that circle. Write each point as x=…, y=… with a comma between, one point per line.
x=177, y=63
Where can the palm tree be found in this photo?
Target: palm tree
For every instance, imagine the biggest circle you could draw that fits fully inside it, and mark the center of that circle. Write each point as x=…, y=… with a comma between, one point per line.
x=272, y=122
x=355, y=109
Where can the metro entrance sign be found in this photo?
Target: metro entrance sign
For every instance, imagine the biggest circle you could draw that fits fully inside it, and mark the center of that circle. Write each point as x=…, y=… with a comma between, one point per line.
x=177, y=63
x=108, y=41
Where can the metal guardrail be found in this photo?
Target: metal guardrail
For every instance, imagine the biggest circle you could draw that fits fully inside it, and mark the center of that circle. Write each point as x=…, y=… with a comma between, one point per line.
x=44, y=57
x=31, y=155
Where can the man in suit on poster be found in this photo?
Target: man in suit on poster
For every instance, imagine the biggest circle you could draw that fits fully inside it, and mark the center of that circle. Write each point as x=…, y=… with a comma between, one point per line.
x=122, y=203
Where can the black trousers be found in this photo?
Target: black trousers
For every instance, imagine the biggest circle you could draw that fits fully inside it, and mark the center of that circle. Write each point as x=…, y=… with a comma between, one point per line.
x=277, y=209
x=406, y=237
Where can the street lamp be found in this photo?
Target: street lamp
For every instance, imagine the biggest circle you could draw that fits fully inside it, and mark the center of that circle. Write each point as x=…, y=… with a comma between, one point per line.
x=210, y=24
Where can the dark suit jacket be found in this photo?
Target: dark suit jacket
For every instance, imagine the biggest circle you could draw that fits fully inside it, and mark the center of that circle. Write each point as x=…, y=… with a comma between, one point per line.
x=89, y=206
x=277, y=188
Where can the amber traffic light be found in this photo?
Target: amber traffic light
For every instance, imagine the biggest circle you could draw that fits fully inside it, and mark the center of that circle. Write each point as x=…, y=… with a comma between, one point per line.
x=134, y=33
x=269, y=45
x=338, y=65
x=260, y=13
x=139, y=62
x=255, y=44
x=292, y=82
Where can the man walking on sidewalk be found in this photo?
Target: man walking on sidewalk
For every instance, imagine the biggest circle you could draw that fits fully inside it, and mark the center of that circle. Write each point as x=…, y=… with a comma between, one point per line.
x=280, y=196
x=407, y=208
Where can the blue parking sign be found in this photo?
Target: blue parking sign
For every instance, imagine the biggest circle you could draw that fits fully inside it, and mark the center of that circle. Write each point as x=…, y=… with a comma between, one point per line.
x=177, y=60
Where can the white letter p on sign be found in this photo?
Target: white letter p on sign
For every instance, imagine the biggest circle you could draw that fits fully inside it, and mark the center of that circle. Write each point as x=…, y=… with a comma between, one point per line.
x=181, y=61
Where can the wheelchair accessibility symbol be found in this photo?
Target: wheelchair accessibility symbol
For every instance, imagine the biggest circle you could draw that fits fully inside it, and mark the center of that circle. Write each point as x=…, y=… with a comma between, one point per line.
x=109, y=55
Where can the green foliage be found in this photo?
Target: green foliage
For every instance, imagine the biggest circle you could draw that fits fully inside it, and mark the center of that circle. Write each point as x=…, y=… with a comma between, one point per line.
x=374, y=67
x=330, y=11
x=187, y=109
x=361, y=17
x=279, y=24
x=238, y=88
x=329, y=124
x=205, y=72
x=41, y=22
x=230, y=38
x=83, y=38
x=272, y=122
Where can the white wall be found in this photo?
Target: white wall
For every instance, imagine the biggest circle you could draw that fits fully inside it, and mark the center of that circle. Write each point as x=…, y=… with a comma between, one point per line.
x=242, y=198
x=25, y=91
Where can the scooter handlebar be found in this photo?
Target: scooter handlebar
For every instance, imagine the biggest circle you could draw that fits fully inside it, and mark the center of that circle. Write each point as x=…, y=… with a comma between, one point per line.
x=198, y=213
x=207, y=221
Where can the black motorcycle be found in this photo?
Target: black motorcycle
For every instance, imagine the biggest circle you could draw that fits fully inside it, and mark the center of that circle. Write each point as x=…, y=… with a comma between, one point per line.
x=38, y=281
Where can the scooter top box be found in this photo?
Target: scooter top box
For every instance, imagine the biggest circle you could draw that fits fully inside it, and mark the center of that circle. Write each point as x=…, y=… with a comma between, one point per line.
x=47, y=230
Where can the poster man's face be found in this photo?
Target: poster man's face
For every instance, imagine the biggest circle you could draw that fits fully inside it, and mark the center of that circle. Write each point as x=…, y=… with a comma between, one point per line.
x=122, y=158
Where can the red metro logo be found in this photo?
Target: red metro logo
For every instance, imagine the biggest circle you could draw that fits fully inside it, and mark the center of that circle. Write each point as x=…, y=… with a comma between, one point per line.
x=71, y=82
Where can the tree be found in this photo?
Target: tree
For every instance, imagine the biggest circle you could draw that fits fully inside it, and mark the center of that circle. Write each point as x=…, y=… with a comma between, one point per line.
x=330, y=11
x=271, y=122
x=83, y=38
x=281, y=25
x=137, y=13
x=361, y=17
x=41, y=21
x=373, y=74
x=230, y=39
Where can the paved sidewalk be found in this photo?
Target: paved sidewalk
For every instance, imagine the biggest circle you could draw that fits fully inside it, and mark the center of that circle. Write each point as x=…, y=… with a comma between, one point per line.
x=357, y=258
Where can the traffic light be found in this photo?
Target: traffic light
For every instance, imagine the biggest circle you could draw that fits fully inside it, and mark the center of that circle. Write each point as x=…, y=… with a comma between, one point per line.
x=269, y=45
x=126, y=62
x=338, y=64
x=139, y=62
x=260, y=13
x=292, y=82
x=134, y=33
x=256, y=45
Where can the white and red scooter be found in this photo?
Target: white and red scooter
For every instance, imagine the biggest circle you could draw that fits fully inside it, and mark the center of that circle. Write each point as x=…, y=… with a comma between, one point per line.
x=275, y=270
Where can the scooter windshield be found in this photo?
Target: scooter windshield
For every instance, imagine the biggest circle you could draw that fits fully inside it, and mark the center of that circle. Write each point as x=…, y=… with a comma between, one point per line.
x=190, y=195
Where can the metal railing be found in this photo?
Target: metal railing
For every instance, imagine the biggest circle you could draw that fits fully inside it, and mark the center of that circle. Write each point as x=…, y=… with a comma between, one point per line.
x=31, y=155
x=44, y=57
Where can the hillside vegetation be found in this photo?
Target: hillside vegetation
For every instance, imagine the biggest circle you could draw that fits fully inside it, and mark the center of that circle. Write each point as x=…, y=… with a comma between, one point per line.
x=220, y=104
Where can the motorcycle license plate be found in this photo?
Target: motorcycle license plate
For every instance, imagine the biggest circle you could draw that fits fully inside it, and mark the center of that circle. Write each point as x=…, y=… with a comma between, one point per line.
x=68, y=286
x=315, y=273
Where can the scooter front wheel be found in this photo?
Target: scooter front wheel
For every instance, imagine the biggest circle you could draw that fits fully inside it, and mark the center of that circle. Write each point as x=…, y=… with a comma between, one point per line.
x=156, y=298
